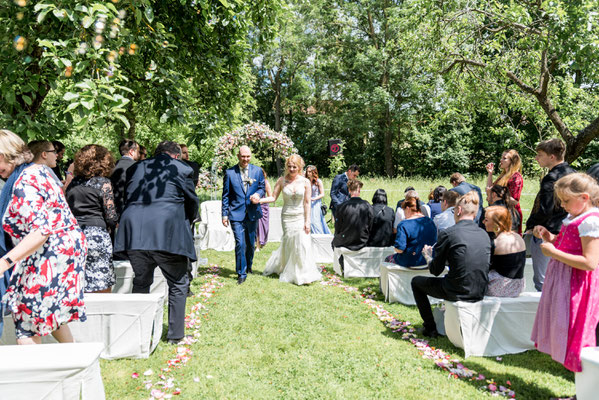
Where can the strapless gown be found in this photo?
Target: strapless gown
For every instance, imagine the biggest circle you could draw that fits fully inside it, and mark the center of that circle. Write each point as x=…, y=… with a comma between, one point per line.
x=293, y=261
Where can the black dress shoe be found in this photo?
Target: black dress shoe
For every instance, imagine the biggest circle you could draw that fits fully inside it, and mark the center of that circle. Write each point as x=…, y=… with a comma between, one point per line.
x=190, y=293
x=430, y=334
x=250, y=271
x=240, y=280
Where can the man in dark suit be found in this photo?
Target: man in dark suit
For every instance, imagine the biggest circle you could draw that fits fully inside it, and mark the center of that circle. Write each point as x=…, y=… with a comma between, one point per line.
x=339, y=191
x=243, y=186
x=155, y=228
x=129, y=150
x=460, y=185
x=354, y=220
x=467, y=250
x=194, y=165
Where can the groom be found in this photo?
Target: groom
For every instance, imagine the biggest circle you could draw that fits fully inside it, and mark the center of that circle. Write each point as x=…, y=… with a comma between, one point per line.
x=243, y=186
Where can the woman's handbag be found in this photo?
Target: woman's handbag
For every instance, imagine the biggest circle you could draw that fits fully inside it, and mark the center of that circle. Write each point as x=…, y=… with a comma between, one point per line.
x=323, y=209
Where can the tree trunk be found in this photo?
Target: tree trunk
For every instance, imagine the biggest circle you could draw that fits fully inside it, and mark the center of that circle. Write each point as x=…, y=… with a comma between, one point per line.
x=388, y=151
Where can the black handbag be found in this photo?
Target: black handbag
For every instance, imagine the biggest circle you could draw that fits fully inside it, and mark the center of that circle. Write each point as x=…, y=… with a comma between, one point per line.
x=323, y=209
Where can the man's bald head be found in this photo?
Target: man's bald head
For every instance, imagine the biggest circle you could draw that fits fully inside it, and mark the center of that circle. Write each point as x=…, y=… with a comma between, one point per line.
x=244, y=156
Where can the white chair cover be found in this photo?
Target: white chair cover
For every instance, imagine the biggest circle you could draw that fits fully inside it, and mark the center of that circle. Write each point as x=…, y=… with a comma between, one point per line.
x=493, y=326
x=396, y=283
x=213, y=234
x=528, y=275
x=129, y=325
x=363, y=263
x=587, y=385
x=51, y=372
x=124, y=279
x=275, y=228
x=322, y=249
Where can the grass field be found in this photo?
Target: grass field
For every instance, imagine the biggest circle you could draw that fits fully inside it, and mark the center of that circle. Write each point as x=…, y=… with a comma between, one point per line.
x=266, y=339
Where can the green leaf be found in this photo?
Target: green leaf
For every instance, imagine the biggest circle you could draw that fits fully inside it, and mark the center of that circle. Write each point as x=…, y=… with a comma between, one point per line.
x=68, y=96
x=149, y=12
x=42, y=15
x=124, y=120
x=225, y=3
x=87, y=21
x=10, y=97
x=27, y=99
x=89, y=104
x=72, y=106
x=45, y=43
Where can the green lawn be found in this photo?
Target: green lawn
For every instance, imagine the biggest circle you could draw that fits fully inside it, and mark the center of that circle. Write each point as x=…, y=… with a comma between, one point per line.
x=266, y=339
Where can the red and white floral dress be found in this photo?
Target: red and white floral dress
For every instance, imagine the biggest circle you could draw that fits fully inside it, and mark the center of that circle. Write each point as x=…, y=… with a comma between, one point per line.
x=46, y=288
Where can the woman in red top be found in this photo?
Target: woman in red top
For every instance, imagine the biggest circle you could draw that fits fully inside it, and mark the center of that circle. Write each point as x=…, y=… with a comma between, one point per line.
x=510, y=165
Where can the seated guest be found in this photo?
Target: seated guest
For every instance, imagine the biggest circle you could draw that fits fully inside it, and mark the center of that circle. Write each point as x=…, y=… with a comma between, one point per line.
x=435, y=199
x=500, y=196
x=446, y=218
x=399, y=214
x=508, y=254
x=467, y=251
x=353, y=219
x=413, y=233
x=381, y=234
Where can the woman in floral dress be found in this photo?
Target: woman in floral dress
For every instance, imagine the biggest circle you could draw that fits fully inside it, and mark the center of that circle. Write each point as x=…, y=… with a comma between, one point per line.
x=91, y=199
x=46, y=286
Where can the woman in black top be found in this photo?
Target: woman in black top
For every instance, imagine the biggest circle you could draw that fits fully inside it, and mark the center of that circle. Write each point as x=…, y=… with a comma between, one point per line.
x=381, y=233
x=508, y=254
x=91, y=199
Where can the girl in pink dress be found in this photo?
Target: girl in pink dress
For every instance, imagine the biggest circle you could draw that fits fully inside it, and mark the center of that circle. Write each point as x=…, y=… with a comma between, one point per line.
x=568, y=312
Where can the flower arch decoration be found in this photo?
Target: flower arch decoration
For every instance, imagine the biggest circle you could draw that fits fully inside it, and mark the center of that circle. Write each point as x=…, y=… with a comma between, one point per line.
x=264, y=142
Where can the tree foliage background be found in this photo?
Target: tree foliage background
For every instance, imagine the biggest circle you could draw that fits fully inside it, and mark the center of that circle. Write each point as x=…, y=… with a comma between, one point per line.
x=412, y=87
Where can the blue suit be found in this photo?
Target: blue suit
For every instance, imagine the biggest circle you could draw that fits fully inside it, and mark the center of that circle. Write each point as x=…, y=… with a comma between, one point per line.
x=466, y=187
x=243, y=215
x=339, y=191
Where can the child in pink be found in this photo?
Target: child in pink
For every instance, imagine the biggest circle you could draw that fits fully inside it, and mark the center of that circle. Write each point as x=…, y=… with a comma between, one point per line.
x=568, y=312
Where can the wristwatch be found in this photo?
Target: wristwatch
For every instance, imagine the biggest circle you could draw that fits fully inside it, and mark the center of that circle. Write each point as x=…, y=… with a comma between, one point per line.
x=9, y=260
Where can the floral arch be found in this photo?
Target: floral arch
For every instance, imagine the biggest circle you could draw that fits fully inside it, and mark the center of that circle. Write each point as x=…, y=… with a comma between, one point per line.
x=266, y=144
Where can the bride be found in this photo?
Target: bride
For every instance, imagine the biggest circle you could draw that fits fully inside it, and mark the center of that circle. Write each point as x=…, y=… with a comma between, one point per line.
x=293, y=261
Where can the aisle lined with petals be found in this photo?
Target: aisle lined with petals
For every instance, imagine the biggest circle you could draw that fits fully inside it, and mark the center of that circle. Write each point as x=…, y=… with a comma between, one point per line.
x=267, y=339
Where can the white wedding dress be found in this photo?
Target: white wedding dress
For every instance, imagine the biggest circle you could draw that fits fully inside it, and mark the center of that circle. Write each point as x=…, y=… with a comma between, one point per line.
x=293, y=261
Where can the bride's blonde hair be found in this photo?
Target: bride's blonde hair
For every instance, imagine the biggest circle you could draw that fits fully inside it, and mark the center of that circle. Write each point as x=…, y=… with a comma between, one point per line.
x=297, y=160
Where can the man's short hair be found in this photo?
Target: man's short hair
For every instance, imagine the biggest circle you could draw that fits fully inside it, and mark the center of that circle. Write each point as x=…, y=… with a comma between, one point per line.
x=468, y=203
x=169, y=147
x=354, y=184
x=354, y=168
x=406, y=190
x=456, y=177
x=451, y=197
x=183, y=145
x=58, y=145
x=126, y=145
x=553, y=147
x=37, y=147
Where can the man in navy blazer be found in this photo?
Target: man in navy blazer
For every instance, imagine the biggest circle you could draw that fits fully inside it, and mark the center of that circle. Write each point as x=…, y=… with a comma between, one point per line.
x=243, y=186
x=339, y=191
x=155, y=228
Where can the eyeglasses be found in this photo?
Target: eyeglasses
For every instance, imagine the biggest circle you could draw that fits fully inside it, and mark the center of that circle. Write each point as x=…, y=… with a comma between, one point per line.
x=50, y=151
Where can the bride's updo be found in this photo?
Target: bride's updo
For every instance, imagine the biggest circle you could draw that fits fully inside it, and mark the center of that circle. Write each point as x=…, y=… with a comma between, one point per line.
x=297, y=160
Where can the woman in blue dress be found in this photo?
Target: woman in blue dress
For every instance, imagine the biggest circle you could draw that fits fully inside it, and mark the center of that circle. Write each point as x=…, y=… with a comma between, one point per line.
x=317, y=221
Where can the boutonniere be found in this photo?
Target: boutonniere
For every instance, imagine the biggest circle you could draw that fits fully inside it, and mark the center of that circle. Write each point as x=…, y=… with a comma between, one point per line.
x=251, y=180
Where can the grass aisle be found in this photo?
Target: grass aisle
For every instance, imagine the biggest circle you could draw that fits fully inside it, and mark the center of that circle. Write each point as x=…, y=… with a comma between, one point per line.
x=266, y=339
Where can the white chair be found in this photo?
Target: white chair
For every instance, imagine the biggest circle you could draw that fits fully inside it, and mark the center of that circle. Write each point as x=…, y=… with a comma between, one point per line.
x=321, y=248
x=51, y=372
x=396, y=283
x=492, y=326
x=124, y=279
x=213, y=234
x=275, y=228
x=587, y=385
x=363, y=263
x=129, y=325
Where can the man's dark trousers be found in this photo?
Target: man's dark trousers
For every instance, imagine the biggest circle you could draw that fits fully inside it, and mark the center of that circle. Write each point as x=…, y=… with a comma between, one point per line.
x=423, y=287
x=174, y=269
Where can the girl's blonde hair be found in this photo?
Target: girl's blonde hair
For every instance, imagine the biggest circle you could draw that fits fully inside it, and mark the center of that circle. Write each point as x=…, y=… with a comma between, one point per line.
x=576, y=184
x=13, y=149
x=515, y=166
x=297, y=160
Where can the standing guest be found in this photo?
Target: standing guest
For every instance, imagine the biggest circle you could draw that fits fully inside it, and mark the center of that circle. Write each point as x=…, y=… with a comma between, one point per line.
x=500, y=196
x=143, y=152
x=545, y=212
x=435, y=199
x=568, y=312
x=155, y=228
x=194, y=165
x=129, y=150
x=413, y=233
x=91, y=199
x=510, y=165
x=460, y=185
x=381, y=233
x=44, y=153
x=508, y=254
x=339, y=191
x=354, y=220
x=317, y=220
x=60, y=149
x=263, y=227
x=446, y=218
x=243, y=186
x=46, y=286
x=467, y=250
